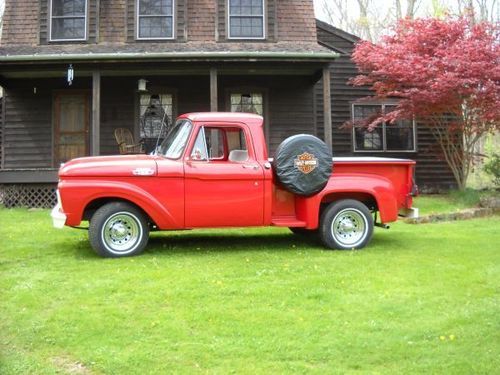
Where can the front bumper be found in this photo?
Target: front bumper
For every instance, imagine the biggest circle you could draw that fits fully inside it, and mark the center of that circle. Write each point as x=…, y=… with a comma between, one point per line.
x=57, y=215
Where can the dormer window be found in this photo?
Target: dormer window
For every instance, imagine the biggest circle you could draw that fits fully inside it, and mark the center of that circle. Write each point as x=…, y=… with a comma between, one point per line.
x=155, y=19
x=68, y=20
x=246, y=19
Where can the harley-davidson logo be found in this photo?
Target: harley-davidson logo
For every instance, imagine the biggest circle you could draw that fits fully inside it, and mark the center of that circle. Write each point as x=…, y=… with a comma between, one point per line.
x=306, y=162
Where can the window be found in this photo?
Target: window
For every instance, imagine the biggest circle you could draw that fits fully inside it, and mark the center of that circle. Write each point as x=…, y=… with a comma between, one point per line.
x=247, y=102
x=220, y=144
x=209, y=145
x=246, y=19
x=155, y=19
x=175, y=142
x=398, y=136
x=156, y=114
x=68, y=20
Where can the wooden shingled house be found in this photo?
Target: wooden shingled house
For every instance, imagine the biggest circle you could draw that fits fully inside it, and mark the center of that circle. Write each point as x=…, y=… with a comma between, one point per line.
x=74, y=71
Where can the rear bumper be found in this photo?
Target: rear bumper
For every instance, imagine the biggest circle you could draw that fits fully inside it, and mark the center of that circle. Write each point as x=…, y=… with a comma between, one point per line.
x=410, y=213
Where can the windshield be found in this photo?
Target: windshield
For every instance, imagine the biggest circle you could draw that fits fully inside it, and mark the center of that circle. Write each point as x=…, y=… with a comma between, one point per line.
x=173, y=146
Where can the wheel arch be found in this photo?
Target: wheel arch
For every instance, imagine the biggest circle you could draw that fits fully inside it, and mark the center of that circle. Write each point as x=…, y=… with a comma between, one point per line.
x=97, y=203
x=367, y=198
x=81, y=197
x=376, y=192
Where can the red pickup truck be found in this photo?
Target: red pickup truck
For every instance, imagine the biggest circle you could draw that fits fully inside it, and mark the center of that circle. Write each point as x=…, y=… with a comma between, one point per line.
x=212, y=170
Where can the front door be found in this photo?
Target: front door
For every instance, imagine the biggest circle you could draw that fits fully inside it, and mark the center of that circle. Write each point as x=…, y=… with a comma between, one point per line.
x=72, y=117
x=224, y=184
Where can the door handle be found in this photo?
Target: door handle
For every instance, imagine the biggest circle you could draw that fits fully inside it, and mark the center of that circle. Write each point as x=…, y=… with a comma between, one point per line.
x=246, y=166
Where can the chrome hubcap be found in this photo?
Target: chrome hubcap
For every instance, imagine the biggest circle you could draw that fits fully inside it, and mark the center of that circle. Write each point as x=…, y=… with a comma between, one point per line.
x=349, y=227
x=121, y=233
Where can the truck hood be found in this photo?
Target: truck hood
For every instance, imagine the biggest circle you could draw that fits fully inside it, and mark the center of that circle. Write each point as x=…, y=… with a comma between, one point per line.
x=110, y=166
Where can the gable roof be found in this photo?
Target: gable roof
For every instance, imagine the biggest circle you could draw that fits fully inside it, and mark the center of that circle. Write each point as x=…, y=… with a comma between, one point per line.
x=338, y=32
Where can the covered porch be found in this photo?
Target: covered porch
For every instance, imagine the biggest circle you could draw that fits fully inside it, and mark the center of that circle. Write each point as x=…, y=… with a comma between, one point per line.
x=47, y=119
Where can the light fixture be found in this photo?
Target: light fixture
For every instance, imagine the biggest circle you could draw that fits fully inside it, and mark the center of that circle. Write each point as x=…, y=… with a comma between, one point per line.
x=141, y=85
x=70, y=75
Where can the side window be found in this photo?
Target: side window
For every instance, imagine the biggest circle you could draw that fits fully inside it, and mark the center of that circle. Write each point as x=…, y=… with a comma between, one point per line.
x=209, y=144
x=199, y=151
x=246, y=19
x=68, y=20
x=155, y=19
x=247, y=102
x=220, y=144
x=236, y=140
x=395, y=137
x=237, y=146
x=214, y=138
x=367, y=140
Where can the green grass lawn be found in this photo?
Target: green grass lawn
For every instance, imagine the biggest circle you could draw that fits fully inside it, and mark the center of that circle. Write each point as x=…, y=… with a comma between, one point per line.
x=452, y=202
x=420, y=299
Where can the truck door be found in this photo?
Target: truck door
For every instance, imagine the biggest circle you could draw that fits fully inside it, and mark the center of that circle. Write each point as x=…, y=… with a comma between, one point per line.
x=224, y=183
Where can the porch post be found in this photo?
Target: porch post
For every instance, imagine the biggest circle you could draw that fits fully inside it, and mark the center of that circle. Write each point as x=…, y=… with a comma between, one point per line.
x=95, y=135
x=327, y=107
x=213, y=90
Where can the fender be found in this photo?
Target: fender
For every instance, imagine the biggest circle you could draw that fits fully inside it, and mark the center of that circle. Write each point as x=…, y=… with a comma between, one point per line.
x=71, y=193
x=349, y=185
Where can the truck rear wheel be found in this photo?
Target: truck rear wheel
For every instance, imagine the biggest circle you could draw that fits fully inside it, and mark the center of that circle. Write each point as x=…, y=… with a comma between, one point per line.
x=303, y=164
x=118, y=229
x=346, y=225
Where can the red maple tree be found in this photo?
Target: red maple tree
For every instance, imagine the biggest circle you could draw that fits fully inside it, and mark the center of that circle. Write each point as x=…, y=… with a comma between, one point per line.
x=446, y=73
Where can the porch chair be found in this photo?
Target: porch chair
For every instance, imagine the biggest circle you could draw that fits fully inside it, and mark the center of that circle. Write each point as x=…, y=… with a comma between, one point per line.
x=126, y=142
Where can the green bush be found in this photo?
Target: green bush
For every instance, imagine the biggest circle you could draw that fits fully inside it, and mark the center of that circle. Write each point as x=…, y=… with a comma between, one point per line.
x=492, y=167
x=465, y=198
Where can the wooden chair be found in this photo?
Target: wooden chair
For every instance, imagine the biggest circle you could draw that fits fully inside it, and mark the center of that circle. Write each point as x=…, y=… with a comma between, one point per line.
x=126, y=142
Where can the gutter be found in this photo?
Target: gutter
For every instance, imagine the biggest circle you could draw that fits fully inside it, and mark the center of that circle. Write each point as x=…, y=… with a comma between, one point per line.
x=171, y=55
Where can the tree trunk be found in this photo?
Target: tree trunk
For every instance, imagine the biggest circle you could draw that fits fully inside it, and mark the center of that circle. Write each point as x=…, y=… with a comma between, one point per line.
x=410, y=9
x=399, y=12
x=364, y=21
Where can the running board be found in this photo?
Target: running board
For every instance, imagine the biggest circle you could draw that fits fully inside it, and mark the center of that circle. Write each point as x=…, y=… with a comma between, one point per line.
x=288, y=221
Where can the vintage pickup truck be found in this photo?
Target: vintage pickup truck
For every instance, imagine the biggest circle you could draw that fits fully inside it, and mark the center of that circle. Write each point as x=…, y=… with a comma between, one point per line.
x=212, y=170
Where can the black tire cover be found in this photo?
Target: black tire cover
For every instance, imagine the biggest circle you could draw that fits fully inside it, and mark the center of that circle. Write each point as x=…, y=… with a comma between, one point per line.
x=303, y=164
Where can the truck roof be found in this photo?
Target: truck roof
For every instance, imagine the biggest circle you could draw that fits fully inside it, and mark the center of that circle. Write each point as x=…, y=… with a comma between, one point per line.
x=248, y=118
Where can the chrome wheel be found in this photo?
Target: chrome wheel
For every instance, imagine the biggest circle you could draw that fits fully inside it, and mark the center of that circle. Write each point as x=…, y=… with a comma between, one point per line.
x=121, y=233
x=349, y=227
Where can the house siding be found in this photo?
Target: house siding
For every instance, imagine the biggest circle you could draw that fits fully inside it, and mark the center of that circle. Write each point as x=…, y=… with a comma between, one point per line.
x=1, y=131
x=296, y=21
x=20, y=22
x=26, y=21
x=28, y=128
x=112, y=21
x=201, y=20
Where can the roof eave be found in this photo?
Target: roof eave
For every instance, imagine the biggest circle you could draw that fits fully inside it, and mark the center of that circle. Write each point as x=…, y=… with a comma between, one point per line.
x=174, y=56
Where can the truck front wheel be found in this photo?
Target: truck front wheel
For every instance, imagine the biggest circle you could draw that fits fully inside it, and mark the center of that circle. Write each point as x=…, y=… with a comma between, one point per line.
x=118, y=229
x=346, y=224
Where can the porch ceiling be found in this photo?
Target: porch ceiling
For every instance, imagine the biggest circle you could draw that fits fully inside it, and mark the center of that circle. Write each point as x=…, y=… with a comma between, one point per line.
x=161, y=69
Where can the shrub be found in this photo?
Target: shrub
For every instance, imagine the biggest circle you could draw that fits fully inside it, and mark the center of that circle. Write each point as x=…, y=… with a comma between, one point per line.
x=492, y=167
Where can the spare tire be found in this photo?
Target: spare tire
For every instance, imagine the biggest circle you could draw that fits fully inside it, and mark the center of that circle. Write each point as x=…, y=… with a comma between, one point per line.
x=303, y=164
